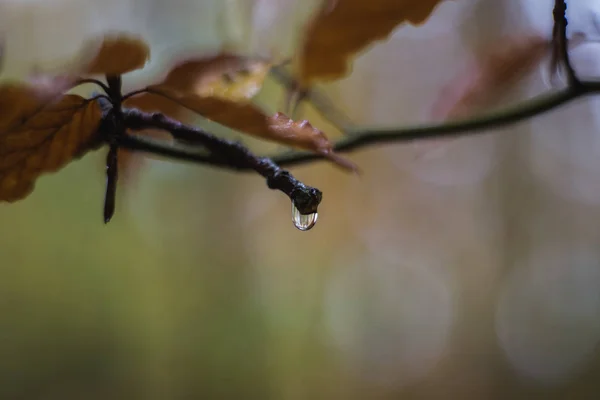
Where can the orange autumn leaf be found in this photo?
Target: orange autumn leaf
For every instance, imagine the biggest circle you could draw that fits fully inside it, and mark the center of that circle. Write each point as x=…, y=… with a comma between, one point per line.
x=223, y=75
x=247, y=118
x=303, y=135
x=114, y=54
x=18, y=102
x=207, y=86
x=489, y=77
x=218, y=74
x=110, y=54
x=237, y=86
x=40, y=134
x=226, y=76
x=342, y=28
x=207, y=75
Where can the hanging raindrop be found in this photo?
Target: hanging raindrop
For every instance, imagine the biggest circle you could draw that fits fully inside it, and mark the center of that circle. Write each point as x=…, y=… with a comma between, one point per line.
x=303, y=221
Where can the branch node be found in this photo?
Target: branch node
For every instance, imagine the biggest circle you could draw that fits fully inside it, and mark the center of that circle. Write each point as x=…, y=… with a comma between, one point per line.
x=306, y=199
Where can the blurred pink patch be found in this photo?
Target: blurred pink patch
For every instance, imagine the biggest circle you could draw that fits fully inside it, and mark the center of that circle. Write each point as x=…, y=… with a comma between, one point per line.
x=51, y=83
x=489, y=77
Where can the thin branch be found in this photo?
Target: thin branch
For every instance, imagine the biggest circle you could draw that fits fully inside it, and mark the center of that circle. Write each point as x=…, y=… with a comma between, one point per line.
x=363, y=137
x=560, y=43
x=111, y=183
x=231, y=154
x=133, y=93
x=104, y=101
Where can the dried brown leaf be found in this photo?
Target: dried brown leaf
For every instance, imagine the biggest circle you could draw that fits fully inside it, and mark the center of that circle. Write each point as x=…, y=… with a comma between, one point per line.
x=223, y=75
x=114, y=54
x=227, y=76
x=246, y=118
x=40, y=134
x=341, y=28
x=219, y=88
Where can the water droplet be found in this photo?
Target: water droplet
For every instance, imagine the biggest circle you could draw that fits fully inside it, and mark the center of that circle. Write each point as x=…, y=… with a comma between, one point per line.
x=303, y=221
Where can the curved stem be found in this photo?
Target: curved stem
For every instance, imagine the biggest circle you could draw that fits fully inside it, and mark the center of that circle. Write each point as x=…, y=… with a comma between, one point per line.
x=133, y=93
x=94, y=81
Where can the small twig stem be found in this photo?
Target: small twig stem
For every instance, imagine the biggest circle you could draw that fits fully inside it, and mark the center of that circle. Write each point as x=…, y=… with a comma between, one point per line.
x=234, y=155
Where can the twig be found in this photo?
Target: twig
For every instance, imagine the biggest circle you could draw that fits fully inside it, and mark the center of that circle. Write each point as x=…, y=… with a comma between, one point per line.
x=560, y=43
x=92, y=81
x=203, y=147
x=224, y=153
x=363, y=137
x=111, y=183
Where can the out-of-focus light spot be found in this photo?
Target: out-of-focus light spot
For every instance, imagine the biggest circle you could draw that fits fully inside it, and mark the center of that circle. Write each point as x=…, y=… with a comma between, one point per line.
x=565, y=152
x=389, y=320
x=547, y=315
x=586, y=58
x=565, y=144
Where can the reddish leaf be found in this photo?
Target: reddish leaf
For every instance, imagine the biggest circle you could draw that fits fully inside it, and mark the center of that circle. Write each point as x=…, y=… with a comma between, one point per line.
x=341, y=28
x=114, y=54
x=40, y=134
x=219, y=88
x=225, y=75
x=19, y=101
x=245, y=117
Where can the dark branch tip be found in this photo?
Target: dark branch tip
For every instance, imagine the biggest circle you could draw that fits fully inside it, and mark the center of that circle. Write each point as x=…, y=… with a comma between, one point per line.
x=306, y=199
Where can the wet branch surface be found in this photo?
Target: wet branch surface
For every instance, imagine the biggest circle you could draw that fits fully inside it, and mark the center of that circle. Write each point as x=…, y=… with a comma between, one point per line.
x=196, y=145
x=224, y=152
x=363, y=137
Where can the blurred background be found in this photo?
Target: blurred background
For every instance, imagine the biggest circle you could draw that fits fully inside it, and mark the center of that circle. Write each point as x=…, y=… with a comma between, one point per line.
x=463, y=269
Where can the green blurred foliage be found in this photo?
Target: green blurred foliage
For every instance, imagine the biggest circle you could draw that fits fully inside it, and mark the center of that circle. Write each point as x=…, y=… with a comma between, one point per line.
x=201, y=287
